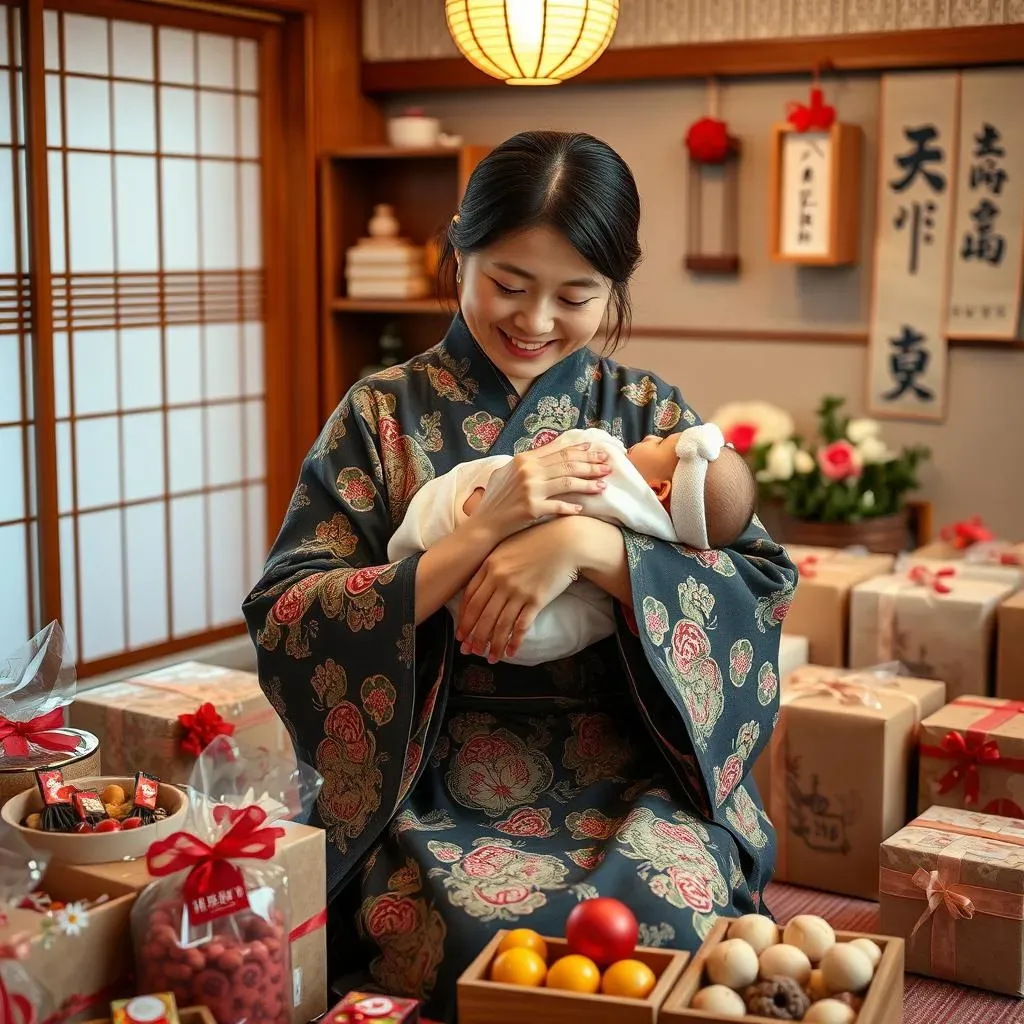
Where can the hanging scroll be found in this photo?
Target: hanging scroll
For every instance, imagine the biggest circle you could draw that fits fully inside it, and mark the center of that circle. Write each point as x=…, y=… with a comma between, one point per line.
x=985, y=290
x=907, y=356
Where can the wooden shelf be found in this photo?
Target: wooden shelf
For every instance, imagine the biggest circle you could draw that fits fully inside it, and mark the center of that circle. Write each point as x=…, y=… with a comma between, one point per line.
x=382, y=152
x=439, y=307
x=966, y=46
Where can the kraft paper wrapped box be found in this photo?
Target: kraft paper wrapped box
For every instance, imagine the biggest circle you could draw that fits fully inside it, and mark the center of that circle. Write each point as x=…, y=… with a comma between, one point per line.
x=837, y=774
x=820, y=608
x=794, y=652
x=965, y=569
x=1010, y=648
x=972, y=756
x=952, y=884
x=940, y=625
x=137, y=719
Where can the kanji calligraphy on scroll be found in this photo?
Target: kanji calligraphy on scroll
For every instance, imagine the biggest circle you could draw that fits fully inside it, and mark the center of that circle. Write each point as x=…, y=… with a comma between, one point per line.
x=985, y=285
x=917, y=174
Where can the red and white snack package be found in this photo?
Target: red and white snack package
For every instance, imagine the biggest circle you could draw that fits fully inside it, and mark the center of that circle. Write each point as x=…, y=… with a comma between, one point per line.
x=213, y=929
x=22, y=868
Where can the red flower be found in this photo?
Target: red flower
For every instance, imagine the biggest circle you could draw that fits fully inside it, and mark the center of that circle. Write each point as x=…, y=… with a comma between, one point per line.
x=708, y=141
x=689, y=643
x=839, y=461
x=391, y=915
x=543, y=437
x=201, y=728
x=741, y=436
x=362, y=579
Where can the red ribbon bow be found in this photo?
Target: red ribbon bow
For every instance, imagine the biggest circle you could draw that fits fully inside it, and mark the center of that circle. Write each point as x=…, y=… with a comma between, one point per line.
x=246, y=839
x=966, y=532
x=968, y=752
x=819, y=115
x=14, y=1007
x=806, y=566
x=925, y=577
x=201, y=728
x=16, y=736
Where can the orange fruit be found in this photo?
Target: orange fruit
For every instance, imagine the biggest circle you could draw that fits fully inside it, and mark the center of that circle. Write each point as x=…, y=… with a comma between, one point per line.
x=629, y=978
x=524, y=938
x=574, y=973
x=519, y=966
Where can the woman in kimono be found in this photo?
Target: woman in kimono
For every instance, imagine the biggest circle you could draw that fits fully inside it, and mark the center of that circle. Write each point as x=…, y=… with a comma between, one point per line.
x=463, y=794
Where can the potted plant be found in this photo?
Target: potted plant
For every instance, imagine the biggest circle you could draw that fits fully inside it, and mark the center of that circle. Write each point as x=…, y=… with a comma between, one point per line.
x=845, y=487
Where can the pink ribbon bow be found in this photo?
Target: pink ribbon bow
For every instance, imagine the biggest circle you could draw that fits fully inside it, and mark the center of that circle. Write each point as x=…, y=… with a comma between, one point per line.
x=933, y=580
x=938, y=893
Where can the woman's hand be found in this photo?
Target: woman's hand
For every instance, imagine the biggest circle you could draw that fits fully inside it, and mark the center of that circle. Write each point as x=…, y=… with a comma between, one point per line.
x=521, y=576
x=535, y=485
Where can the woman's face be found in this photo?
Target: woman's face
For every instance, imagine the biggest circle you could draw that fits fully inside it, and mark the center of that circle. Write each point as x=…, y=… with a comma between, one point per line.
x=530, y=299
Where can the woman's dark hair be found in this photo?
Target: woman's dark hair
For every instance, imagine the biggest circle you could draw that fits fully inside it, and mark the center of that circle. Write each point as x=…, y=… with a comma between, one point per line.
x=569, y=181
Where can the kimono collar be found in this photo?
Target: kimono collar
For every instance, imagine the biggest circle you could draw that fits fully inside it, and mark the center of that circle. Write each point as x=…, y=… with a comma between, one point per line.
x=559, y=379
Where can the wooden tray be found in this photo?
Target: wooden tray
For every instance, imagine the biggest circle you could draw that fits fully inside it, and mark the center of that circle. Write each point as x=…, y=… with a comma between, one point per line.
x=186, y=1015
x=488, y=1002
x=883, y=1001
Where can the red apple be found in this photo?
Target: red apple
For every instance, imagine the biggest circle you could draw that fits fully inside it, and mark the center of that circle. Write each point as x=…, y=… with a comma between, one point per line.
x=603, y=929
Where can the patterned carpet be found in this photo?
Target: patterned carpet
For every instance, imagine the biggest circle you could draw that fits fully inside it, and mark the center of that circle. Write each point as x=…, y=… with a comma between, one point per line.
x=925, y=1001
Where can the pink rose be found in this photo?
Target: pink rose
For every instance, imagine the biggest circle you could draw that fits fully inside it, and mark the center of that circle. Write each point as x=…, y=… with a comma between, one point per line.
x=689, y=642
x=527, y=821
x=488, y=861
x=839, y=461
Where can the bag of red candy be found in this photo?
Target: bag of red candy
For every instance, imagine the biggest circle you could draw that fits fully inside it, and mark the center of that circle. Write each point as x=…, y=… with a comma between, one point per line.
x=213, y=928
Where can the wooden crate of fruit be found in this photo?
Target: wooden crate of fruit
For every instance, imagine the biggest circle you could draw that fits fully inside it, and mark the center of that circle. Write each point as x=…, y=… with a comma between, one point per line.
x=522, y=976
x=747, y=970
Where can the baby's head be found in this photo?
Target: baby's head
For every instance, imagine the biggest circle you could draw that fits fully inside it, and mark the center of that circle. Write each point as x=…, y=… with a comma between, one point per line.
x=713, y=494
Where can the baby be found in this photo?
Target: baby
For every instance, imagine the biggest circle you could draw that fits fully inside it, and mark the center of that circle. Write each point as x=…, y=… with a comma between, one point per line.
x=688, y=488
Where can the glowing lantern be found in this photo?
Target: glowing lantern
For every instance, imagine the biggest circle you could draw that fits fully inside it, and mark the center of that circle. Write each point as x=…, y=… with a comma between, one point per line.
x=532, y=42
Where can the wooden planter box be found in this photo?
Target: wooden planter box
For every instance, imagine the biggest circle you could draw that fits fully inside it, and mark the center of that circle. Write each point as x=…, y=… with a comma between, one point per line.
x=482, y=1001
x=883, y=1001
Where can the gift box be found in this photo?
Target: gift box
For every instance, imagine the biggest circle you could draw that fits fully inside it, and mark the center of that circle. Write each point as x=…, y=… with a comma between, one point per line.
x=1010, y=648
x=794, y=652
x=939, y=625
x=971, y=540
x=374, y=1008
x=883, y=999
x=140, y=720
x=972, y=756
x=836, y=776
x=952, y=884
x=302, y=853
x=80, y=953
x=966, y=569
x=820, y=607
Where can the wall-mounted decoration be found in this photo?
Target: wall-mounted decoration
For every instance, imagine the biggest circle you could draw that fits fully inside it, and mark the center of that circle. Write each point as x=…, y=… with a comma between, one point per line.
x=524, y=43
x=985, y=286
x=814, y=202
x=713, y=153
x=917, y=160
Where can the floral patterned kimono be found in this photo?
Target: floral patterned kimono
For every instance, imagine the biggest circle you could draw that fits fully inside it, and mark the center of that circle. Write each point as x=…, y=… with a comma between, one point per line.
x=459, y=797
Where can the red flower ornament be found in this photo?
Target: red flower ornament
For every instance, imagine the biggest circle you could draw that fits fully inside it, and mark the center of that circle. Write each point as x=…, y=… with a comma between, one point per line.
x=200, y=728
x=816, y=116
x=707, y=141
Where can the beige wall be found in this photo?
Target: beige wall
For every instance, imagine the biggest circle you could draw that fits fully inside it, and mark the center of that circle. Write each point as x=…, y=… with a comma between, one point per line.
x=977, y=465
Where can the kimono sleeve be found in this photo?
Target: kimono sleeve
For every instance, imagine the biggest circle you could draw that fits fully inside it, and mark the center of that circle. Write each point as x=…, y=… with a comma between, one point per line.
x=334, y=627
x=703, y=646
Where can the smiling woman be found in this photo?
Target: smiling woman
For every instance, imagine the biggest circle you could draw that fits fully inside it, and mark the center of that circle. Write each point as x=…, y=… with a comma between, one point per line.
x=463, y=791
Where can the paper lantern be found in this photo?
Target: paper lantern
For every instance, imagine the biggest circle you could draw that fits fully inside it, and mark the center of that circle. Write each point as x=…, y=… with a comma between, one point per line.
x=532, y=42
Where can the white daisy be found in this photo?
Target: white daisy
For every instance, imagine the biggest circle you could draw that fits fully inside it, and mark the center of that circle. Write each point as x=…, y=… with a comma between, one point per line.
x=71, y=918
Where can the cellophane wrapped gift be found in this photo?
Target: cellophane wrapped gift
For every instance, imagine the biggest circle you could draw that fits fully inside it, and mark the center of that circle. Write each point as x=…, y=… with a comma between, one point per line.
x=37, y=683
x=22, y=999
x=938, y=623
x=214, y=927
x=972, y=756
x=952, y=884
x=836, y=776
x=820, y=608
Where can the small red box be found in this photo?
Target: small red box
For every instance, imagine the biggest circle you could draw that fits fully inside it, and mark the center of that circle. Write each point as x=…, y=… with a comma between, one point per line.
x=373, y=1008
